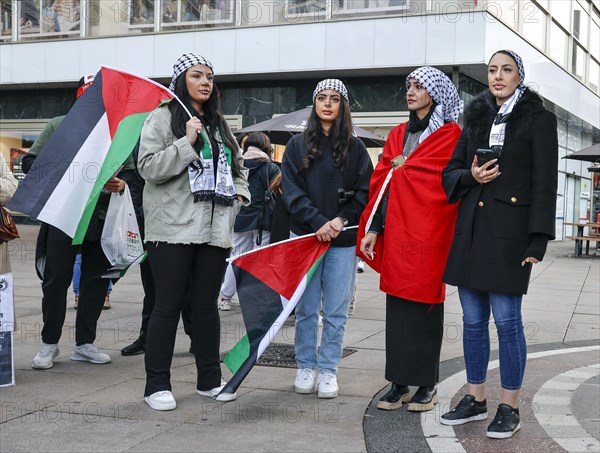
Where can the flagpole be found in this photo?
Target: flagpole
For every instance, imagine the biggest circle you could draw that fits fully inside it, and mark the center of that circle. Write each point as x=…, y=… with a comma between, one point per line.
x=153, y=82
x=296, y=238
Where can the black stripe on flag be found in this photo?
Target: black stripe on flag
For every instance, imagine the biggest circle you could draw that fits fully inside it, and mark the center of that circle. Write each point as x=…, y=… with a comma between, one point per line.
x=60, y=152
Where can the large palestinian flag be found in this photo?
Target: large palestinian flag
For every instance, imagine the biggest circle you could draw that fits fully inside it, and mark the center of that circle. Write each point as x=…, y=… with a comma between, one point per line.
x=270, y=281
x=87, y=149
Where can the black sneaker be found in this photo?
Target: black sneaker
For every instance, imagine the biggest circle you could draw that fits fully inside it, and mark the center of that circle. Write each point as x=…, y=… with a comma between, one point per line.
x=467, y=410
x=505, y=424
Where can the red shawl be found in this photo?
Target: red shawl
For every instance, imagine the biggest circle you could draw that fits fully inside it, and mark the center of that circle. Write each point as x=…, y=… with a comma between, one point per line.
x=412, y=250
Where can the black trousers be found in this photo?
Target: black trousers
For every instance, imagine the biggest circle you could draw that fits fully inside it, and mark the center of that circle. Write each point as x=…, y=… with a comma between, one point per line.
x=58, y=274
x=413, y=341
x=174, y=266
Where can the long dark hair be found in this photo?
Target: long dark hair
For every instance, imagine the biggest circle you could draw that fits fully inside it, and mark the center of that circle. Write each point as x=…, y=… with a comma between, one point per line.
x=212, y=115
x=340, y=133
x=261, y=141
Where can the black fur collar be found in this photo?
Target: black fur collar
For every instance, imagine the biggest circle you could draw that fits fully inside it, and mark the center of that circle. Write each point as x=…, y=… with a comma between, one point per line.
x=480, y=113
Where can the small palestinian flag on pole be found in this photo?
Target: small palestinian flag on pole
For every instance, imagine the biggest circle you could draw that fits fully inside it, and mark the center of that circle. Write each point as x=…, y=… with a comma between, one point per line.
x=87, y=149
x=270, y=281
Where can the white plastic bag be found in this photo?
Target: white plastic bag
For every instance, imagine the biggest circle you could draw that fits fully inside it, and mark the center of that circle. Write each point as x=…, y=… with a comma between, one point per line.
x=121, y=240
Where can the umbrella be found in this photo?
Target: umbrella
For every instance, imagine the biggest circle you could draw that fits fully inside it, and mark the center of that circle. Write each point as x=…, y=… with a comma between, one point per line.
x=281, y=128
x=589, y=154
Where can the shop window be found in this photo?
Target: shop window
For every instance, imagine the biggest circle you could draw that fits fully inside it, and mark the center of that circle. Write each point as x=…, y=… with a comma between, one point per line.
x=14, y=144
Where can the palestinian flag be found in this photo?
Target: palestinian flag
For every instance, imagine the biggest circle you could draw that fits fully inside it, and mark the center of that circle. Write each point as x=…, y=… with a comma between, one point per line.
x=87, y=149
x=270, y=281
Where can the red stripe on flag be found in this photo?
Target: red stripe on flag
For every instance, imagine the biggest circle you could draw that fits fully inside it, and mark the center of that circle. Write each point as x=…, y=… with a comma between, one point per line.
x=282, y=266
x=125, y=94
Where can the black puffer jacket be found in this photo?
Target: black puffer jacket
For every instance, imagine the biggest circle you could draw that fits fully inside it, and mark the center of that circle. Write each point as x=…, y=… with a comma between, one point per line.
x=501, y=223
x=261, y=172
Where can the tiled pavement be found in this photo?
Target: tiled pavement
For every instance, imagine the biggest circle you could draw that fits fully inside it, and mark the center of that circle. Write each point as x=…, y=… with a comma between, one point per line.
x=80, y=406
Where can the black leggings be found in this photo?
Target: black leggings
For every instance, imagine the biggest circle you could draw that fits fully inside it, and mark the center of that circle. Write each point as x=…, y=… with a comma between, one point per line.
x=174, y=266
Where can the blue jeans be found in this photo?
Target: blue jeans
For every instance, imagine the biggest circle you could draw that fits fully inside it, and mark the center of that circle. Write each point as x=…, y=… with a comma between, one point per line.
x=77, y=276
x=50, y=13
x=506, y=309
x=331, y=286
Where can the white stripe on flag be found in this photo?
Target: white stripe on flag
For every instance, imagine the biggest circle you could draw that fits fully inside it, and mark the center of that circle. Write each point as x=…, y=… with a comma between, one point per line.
x=65, y=206
x=287, y=310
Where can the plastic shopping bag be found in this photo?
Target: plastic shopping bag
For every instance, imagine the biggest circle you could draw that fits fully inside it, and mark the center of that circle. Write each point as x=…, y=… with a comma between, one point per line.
x=121, y=240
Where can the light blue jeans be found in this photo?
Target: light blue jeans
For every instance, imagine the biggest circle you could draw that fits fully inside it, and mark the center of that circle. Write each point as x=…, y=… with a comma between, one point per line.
x=506, y=308
x=77, y=276
x=331, y=287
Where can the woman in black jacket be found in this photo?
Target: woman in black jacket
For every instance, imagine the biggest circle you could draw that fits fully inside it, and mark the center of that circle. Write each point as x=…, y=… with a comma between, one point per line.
x=505, y=219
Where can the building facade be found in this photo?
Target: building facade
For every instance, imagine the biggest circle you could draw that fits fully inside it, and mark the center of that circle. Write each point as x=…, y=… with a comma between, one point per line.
x=269, y=54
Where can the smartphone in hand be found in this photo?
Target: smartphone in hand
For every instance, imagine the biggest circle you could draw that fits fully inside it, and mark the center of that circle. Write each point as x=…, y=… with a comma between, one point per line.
x=485, y=155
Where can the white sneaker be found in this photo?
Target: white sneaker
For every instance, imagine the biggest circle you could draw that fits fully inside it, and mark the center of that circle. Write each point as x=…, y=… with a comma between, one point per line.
x=88, y=352
x=234, y=302
x=360, y=266
x=161, y=401
x=214, y=393
x=327, y=385
x=224, y=304
x=45, y=358
x=305, y=381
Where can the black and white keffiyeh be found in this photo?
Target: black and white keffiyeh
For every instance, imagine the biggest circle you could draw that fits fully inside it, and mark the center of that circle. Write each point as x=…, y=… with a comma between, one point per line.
x=498, y=131
x=184, y=62
x=201, y=174
x=519, y=61
x=331, y=84
x=443, y=92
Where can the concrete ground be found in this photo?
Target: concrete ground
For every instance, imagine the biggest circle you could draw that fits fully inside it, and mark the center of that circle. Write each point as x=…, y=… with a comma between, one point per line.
x=84, y=407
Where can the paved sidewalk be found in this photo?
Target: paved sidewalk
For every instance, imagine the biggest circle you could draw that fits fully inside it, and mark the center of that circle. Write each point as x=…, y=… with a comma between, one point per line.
x=83, y=407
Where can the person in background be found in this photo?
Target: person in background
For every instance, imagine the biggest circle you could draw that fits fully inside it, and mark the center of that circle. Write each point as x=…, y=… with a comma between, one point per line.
x=506, y=217
x=59, y=255
x=248, y=231
x=408, y=237
x=76, y=279
x=8, y=187
x=326, y=172
x=195, y=186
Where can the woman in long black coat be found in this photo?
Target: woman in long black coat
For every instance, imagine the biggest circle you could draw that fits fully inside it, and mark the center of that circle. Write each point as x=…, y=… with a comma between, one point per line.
x=505, y=219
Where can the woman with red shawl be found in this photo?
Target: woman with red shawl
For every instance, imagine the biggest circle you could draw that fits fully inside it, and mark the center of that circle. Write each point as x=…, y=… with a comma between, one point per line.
x=405, y=234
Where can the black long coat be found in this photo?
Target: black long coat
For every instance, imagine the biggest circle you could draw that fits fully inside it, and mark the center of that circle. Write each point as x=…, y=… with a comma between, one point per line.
x=501, y=223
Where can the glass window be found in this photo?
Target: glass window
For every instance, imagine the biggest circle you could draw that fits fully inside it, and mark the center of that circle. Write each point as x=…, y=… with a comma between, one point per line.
x=543, y=4
x=579, y=57
x=534, y=24
x=595, y=37
x=6, y=19
x=375, y=5
x=561, y=12
x=14, y=144
x=43, y=19
x=594, y=75
x=580, y=24
x=558, y=45
x=181, y=14
x=298, y=8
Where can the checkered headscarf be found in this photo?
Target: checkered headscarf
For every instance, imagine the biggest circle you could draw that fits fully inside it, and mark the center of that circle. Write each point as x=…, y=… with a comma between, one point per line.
x=443, y=92
x=184, y=62
x=519, y=62
x=331, y=84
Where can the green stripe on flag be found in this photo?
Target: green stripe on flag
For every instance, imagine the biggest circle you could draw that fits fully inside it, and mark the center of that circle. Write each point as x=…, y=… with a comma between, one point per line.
x=126, y=137
x=238, y=355
x=313, y=269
